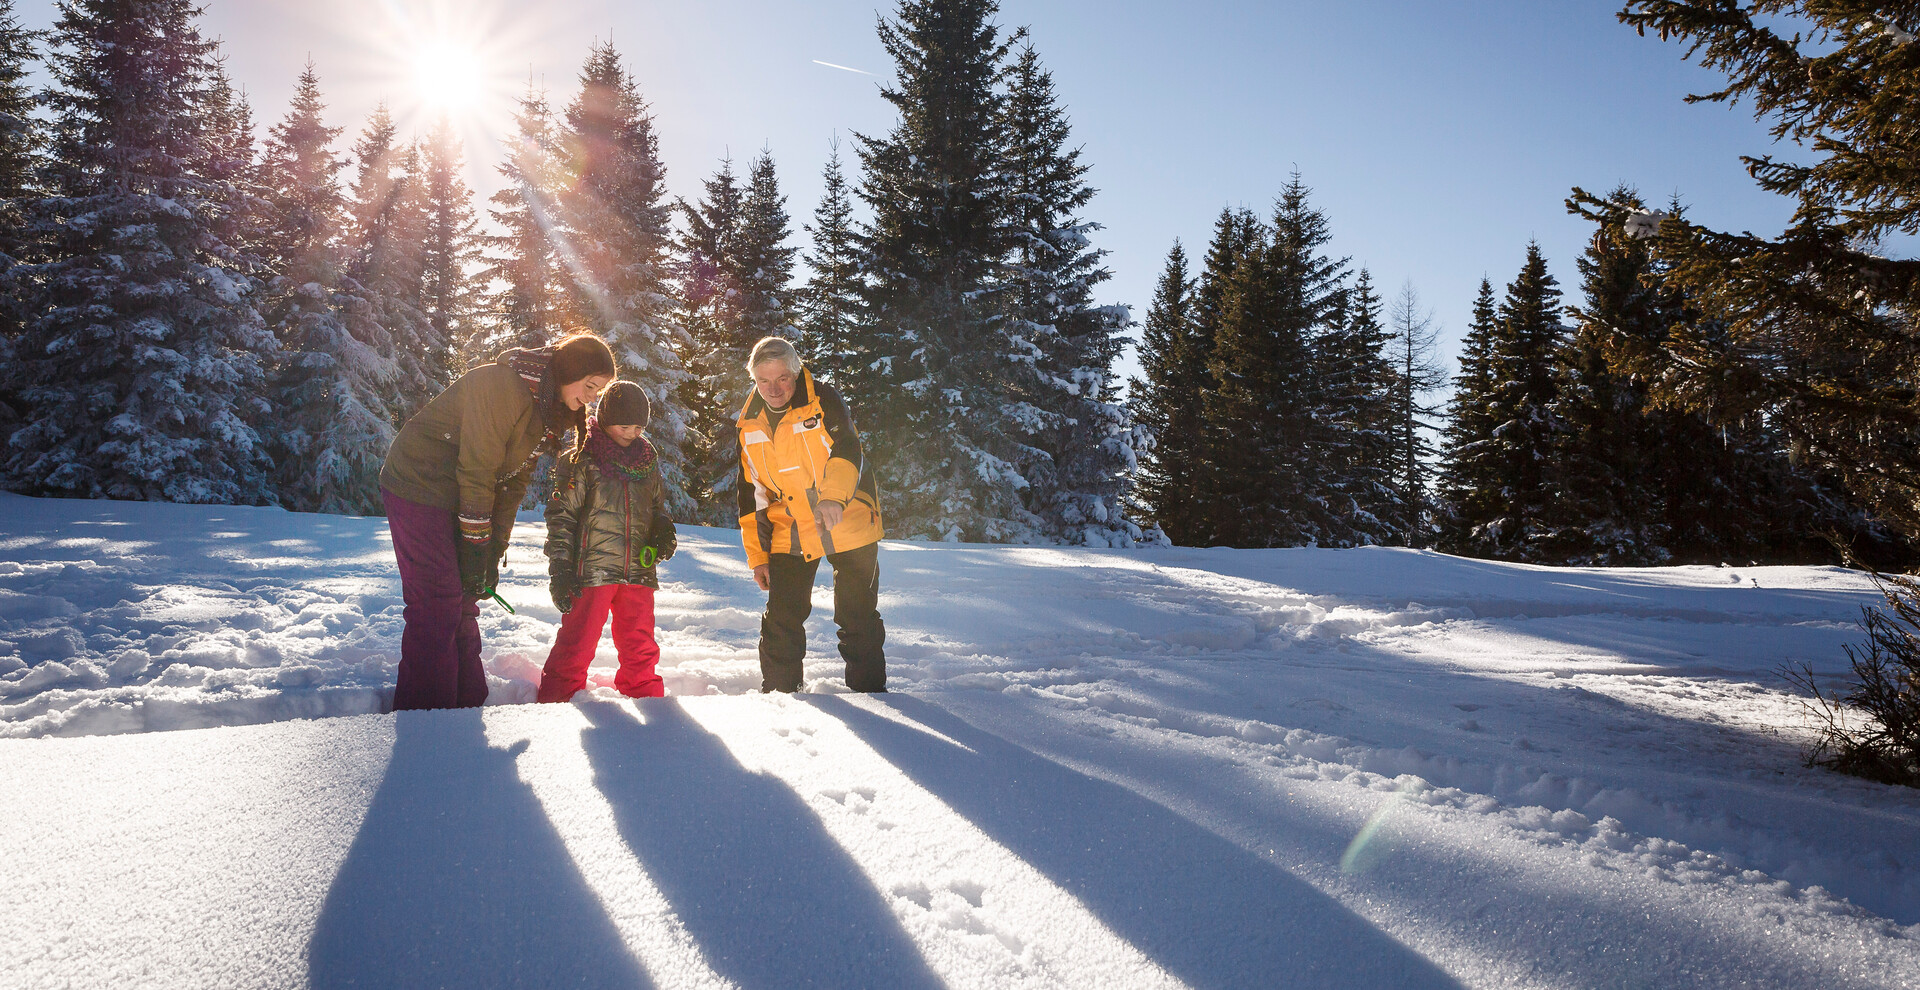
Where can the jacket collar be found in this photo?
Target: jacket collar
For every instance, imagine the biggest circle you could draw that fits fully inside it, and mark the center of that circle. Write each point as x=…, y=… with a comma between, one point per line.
x=802, y=397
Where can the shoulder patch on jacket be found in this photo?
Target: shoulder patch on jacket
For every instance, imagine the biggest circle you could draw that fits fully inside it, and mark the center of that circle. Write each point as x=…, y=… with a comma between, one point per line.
x=755, y=436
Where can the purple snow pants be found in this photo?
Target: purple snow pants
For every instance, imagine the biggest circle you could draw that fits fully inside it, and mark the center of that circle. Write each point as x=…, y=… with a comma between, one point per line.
x=440, y=649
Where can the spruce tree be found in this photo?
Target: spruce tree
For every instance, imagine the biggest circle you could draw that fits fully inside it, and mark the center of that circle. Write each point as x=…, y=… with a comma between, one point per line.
x=387, y=224
x=1167, y=400
x=233, y=165
x=829, y=303
x=1080, y=442
x=141, y=362
x=707, y=290
x=1269, y=465
x=761, y=275
x=1201, y=510
x=20, y=144
x=1701, y=492
x=762, y=259
x=1813, y=329
x=1354, y=425
x=336, y=387
x=526, y=305
x=1505, y=514
x=1607, y=504
x=1412, y=340
x=736, y=285
x=449, y=251
x=934, y=356
x=609, y=204
x=1468, y=481
x=711, y=304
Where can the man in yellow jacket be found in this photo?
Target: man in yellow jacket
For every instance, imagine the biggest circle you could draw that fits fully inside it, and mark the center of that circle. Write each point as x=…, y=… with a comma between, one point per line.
x=805, y=493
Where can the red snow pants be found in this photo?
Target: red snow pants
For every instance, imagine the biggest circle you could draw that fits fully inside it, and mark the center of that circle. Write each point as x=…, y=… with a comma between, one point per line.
x=631, y=606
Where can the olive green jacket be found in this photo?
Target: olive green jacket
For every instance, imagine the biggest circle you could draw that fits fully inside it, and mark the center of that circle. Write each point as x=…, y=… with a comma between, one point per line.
x=471, y=449
x=599, y=521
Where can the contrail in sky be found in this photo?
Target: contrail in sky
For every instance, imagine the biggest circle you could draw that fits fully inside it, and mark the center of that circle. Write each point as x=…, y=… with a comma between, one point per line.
x=843, y=68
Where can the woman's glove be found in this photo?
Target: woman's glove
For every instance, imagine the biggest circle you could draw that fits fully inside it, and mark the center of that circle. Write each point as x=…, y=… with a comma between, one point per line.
x=479, y=567
x=496, y=552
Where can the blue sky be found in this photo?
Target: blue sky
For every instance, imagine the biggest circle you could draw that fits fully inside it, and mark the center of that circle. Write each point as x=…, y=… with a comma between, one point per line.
x=1438, y=137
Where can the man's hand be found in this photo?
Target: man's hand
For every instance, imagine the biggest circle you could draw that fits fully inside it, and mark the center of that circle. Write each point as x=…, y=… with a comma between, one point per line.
x=760, y=577
x=830, y=513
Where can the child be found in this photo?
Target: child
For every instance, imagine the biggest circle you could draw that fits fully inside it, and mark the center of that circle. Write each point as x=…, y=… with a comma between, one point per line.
x=607, y=526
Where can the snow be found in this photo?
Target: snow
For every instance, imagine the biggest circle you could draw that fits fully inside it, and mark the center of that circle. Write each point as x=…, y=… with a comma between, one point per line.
x=1144, y=768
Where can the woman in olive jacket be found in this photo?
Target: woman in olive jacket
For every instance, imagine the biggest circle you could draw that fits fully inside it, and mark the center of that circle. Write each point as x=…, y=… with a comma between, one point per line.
x=452, y=482
x=607, y=526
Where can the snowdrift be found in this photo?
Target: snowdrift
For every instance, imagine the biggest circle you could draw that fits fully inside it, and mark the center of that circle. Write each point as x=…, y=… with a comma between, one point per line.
x=1202, y=768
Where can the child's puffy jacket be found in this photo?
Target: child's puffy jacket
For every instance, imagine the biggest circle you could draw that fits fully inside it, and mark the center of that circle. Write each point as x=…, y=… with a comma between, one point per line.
x=598, y=522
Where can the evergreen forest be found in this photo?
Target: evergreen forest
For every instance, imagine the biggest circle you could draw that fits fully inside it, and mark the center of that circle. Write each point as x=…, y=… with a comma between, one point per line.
x=199, y=306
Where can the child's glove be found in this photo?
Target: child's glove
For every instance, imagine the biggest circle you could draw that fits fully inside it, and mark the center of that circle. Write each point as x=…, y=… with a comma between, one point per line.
x=665, y=537
x=564, y=590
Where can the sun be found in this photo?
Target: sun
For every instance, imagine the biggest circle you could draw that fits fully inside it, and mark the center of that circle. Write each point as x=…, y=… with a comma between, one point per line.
x=449, y=77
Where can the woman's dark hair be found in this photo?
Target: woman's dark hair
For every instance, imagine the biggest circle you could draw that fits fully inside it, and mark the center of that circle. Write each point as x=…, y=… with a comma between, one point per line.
x=582, y=355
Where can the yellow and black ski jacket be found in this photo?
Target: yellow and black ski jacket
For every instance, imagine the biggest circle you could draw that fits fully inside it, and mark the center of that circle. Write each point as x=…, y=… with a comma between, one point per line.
x=791, y=461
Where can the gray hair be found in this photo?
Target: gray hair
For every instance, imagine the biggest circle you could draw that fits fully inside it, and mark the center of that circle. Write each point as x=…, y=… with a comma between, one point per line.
x=774, y=349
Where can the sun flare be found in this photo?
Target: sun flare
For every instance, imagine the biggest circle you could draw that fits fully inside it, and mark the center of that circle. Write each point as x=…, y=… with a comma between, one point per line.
x=449, y=77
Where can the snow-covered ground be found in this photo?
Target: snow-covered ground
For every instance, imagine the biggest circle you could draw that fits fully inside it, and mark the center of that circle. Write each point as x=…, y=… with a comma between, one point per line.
x=1202, y=768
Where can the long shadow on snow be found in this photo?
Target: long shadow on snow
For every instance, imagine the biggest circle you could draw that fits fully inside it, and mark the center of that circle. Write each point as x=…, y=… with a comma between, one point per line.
x=771, y=899
x=457, y=879
x=1206, y=910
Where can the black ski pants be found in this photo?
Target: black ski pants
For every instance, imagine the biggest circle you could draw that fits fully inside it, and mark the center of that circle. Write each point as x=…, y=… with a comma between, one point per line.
x=856, y=610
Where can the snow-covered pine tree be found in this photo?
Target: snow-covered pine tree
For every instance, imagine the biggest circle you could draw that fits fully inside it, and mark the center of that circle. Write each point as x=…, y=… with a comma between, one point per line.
x=386, y=228
x=829, y=304
x=449, y=250
x=1502, y=475
x=1167, y=401
x=525, y=306
x=1080, y=440
x=302, y=179
x=707, y=293
x=763, y=259
x=710, y=299
x=233, y=163
x=336, y=386
x=615, y=250
x=739, y=273
x=20, y=144
x=1411, y=350
x=1355, y=423
x=1268, y=471
x=141, y=363
x=935, y=333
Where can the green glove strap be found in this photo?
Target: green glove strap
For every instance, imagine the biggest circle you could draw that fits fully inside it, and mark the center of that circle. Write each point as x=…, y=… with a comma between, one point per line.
x=495, y=595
